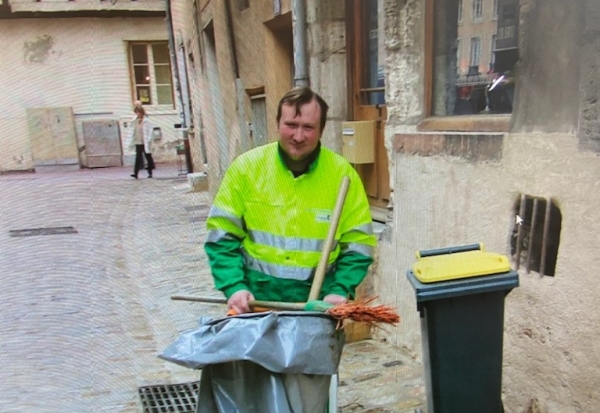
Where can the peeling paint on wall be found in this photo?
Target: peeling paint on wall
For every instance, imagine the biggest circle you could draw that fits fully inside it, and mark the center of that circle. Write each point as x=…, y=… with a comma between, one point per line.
x=38, y=50
x=19, y=159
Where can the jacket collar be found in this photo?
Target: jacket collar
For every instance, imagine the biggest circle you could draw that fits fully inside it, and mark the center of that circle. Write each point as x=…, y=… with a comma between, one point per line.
x=311, y=160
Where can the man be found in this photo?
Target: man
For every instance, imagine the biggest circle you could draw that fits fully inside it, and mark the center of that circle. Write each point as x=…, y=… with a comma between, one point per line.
x=271, y=215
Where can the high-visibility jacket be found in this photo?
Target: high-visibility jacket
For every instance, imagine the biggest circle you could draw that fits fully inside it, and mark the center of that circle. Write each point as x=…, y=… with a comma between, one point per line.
x=266, y=228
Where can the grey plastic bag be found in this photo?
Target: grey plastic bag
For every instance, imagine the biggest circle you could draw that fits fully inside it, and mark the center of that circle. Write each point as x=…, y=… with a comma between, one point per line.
x=282, y=342
x=275, y=362
x=246, y=387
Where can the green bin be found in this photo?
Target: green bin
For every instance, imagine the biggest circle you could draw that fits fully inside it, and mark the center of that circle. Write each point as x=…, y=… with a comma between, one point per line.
x=460, y=297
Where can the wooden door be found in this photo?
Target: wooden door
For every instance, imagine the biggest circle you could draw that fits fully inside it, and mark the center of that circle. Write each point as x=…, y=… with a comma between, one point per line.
x=367, y=90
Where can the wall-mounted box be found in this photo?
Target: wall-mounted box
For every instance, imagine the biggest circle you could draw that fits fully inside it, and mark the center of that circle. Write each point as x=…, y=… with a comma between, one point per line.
x=358, y=141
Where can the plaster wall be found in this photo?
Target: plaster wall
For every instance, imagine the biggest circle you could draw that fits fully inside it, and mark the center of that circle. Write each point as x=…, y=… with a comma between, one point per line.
x=263, y=42
x=548, y=86
x=187, y=36
x=550, y=363
x=76, y=62
x=550, y=323
x=264, y=53
x=327, y=63
x=217, y=85
x=262, y=67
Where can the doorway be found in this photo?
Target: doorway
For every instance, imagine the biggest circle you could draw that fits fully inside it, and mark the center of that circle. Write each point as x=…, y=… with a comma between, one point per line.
x=367, y=90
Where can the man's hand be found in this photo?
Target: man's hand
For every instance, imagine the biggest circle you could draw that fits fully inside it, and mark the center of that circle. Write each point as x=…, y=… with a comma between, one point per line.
x=335, y=299
x=239, y=301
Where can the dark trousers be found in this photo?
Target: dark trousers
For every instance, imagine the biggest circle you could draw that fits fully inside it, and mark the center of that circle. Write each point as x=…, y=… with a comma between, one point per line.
x=139, y=160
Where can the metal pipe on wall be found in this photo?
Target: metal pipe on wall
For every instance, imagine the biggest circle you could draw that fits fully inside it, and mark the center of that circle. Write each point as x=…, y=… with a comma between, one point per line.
x=299, y=33
x=175, y=65
x=239, y=86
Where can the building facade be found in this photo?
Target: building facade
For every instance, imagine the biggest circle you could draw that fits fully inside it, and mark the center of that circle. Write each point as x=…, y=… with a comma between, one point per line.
x=485, y=129
x=70, y=74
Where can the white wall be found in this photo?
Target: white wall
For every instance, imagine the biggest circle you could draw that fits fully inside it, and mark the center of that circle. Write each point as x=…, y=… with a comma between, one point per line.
x=82, y=63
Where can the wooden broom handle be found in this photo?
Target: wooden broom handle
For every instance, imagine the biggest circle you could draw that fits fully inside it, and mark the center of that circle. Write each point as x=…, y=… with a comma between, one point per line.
x=252, y=303
x=335, y=219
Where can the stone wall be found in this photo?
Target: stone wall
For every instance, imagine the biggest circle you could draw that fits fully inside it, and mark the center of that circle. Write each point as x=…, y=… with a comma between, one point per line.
x=460, y=188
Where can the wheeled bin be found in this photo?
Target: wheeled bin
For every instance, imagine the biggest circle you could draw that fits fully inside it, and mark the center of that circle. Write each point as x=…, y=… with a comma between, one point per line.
x=460, y=295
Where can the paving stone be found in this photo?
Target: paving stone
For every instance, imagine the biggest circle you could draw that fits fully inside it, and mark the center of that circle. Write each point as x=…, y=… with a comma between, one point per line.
x=83, y=316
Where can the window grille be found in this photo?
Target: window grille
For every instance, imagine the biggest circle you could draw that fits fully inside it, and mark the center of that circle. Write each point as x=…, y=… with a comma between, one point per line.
x=536, y=234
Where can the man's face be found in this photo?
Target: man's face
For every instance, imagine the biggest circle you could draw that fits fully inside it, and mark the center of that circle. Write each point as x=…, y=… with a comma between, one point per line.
x=299, y=135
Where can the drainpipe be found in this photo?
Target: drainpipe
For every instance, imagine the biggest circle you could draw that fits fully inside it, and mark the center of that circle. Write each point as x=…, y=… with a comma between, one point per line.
x=299, y=33
x=173, y=53
x=239, y=85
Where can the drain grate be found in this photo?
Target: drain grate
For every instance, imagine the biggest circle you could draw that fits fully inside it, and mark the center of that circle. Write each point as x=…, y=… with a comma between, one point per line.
x=198, y=218
x=200, y=207
x=172, y=398
x=42, y=231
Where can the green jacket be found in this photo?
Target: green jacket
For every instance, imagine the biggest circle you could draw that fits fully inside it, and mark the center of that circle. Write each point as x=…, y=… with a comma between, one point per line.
x=266, y=228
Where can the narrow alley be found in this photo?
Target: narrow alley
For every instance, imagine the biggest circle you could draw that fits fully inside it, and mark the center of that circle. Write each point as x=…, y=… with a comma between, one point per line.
x=90, y=260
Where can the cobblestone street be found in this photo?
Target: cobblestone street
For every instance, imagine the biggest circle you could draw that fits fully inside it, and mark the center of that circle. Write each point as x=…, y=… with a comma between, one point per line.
x=84, y=313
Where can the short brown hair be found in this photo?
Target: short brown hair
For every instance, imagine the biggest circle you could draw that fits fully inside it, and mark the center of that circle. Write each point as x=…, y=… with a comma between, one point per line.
x=299, y=96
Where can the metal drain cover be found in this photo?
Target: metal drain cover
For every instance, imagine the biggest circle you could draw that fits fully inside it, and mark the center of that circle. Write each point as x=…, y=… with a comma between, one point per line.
x=172, y=398
x=42, y=231
x=200, y=207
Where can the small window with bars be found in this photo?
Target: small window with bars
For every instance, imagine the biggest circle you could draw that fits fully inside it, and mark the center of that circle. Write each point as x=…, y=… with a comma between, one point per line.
x=536, y=234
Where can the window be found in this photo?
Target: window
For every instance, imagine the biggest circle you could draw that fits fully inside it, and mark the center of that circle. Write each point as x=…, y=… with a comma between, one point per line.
x=151, y=73
x=475, y=55
x=492, y=52
x=495, y=12
x=373, y=81
x=536, y=234
x=477, y=9
x=460, y=10
x=480, y=81
x=258, y=127
x=458, y=51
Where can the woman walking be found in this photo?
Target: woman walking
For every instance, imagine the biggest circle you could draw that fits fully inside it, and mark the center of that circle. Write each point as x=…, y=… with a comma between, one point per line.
x=140, y=135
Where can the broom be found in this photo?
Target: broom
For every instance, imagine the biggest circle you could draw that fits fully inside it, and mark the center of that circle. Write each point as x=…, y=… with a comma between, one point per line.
x=360, y=310
x=353, y=310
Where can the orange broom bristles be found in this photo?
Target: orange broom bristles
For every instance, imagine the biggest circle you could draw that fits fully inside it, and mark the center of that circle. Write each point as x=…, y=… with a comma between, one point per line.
x=361, y=311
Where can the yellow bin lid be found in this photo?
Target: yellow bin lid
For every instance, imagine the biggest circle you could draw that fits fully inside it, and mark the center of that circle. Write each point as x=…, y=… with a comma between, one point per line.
x=447, y=267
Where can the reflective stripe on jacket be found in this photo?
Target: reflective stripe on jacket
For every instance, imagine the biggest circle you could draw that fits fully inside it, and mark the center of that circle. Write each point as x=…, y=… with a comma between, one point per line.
x=278, y=223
